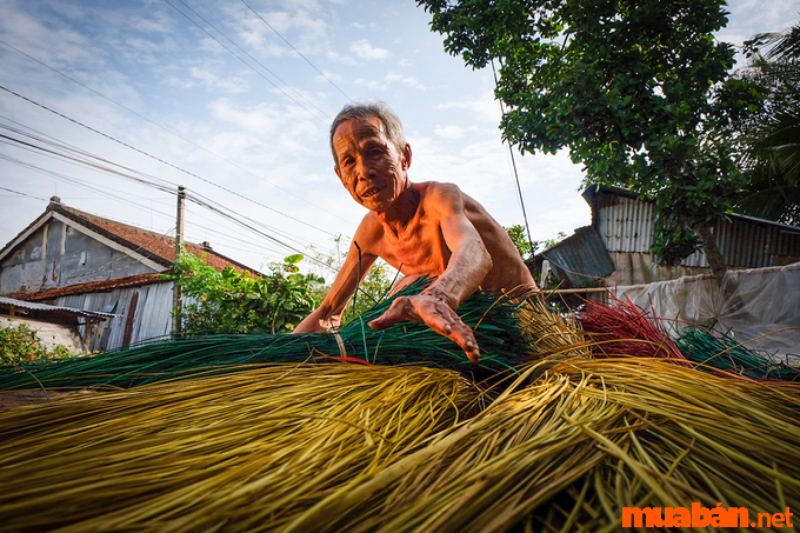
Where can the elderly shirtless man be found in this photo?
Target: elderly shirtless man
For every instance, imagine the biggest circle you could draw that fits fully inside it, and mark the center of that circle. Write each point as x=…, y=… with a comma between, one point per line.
x=422, y=229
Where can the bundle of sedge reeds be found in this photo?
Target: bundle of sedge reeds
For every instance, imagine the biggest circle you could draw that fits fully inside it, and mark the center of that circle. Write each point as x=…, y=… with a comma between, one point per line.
x=247, y=450
x=722, y=351
x=494, y=322
x=547, y=333
x=623, y=329
x=589, y=437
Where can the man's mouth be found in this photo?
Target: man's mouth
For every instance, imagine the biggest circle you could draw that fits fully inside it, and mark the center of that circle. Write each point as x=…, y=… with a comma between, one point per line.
x=372, y=191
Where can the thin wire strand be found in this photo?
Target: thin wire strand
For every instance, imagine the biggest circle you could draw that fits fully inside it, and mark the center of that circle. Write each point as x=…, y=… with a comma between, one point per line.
x=163, y=127
x=514, y=165
x=156, y=158
x=298, y=52
x=169, y=188
x=23, y=194
x=323, y=114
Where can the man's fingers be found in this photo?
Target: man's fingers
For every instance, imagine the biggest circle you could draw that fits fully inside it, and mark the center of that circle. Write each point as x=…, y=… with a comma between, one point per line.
x=465, y=338
x=399, y=310
x=450, y=325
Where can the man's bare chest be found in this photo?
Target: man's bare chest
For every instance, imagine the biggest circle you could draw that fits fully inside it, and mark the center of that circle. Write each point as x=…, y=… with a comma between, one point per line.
x=418, y=249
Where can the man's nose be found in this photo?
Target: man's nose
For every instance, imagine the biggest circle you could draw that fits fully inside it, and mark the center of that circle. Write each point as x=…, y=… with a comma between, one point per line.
x=363, y=170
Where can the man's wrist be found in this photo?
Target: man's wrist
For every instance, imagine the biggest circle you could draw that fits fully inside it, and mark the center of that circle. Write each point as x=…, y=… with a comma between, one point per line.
x=447, y=299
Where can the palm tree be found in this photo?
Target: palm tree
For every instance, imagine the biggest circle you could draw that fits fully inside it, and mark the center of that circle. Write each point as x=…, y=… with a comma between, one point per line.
x=773, y=139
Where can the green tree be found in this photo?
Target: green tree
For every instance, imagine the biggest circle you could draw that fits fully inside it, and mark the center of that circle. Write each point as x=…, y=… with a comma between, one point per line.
x=373, y=288
x=20, y=343
x=228, y=301
x=772, y=136
x=637, y=90
x=520, y=239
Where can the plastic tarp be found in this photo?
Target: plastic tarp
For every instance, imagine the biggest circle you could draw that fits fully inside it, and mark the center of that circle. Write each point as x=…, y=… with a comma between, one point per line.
x=759, y=307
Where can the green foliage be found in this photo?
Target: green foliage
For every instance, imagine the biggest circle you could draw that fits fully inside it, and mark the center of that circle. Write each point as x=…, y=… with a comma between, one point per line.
x=373, y=288
x=637, y=90
x=228, y=301
x=20, y=344
x=520, y=239
x=771, y=137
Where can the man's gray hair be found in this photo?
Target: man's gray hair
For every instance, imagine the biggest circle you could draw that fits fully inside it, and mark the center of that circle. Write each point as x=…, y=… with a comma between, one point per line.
x=392, y=124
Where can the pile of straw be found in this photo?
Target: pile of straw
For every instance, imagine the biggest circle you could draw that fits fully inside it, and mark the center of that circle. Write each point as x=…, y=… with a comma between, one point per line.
x=587, y=438
x=249, y=449
x=301, y=447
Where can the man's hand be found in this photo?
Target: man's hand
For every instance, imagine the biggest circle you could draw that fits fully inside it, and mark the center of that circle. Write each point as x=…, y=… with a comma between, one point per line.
x=436, y=314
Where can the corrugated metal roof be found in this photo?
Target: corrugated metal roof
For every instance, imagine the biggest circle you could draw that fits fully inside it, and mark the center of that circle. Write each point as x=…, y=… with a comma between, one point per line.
x=582, y=257
x=35, y=306
x=626, y=224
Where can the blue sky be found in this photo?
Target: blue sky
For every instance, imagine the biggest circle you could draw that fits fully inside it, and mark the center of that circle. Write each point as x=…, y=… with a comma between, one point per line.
x=261, y=131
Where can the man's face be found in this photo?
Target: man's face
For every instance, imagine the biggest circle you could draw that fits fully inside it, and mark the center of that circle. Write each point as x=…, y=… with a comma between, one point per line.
x=370, y=166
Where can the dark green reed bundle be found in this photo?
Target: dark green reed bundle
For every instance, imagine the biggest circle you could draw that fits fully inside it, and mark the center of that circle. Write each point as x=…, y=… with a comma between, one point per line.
x=721, y=351
x=494, y=322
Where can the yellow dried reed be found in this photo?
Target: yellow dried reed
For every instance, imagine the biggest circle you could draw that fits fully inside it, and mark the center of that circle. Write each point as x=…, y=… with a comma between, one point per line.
x=586, y=439
x=244, y=451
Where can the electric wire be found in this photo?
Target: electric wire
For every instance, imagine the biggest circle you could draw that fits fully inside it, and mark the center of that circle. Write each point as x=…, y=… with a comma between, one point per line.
x=324, y=115
x=298, y=52
x=514, y=165
x=83, y=184
x=23, y=194
x=156, y=158
x=162, y=126
x=170, y=185
x=200, y=201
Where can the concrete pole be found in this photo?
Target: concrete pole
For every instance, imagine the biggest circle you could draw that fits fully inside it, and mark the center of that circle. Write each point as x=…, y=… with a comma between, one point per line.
x=177, y=296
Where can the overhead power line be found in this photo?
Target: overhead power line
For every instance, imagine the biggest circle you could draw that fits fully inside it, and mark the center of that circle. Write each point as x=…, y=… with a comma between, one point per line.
x=322, y=113
x=298, y=52
x=106, y=193
x=161, y=126
x=24, y=194
x=160, y=160
x=516, y=174
x=169, y=188
x=207, y=205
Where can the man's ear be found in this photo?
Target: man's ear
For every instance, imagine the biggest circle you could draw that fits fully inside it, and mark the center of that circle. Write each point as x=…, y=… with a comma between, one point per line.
x=338, y=172
x=406, y=157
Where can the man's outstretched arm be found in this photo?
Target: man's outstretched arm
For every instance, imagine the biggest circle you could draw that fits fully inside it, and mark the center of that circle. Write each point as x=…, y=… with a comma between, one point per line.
x=467, y=267
x=329, y=313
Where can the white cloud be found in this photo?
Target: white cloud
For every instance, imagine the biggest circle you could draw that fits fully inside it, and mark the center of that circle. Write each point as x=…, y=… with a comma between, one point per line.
x=260, y=119
x=365, y=50
x=335, y=56
x=484, y=107
x=390, y=79
x=233, y=85
x=449, y=132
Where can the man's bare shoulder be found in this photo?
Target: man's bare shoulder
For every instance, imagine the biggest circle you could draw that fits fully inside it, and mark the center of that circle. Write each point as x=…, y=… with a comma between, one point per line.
x=439, y=195
x=369, y=231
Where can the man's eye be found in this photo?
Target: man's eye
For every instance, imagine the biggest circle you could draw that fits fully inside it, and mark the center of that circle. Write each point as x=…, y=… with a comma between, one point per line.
x=348, y=161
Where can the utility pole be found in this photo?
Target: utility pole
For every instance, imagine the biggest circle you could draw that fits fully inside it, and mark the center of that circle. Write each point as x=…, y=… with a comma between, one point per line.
x=177, y=296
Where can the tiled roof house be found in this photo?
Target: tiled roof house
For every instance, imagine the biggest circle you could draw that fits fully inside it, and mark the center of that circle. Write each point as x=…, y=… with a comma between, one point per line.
x=67, y=257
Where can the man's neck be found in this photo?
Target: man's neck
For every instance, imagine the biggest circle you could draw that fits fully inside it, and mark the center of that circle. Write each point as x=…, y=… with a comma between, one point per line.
x=402, y=210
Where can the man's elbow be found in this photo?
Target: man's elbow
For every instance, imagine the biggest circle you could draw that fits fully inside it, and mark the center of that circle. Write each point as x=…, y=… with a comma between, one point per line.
x=486, y=262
